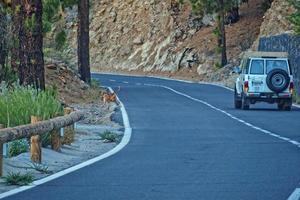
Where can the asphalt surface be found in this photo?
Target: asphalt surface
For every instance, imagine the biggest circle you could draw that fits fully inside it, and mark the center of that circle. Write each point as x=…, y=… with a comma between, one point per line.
x=182, y=149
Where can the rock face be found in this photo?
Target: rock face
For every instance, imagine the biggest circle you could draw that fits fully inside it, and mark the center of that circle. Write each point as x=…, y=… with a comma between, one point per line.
x=139, y=34
x=161, y=36
x=275, y=21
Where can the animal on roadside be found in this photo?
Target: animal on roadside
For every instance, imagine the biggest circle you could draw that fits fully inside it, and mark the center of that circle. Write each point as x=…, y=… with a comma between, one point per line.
x=108, y=97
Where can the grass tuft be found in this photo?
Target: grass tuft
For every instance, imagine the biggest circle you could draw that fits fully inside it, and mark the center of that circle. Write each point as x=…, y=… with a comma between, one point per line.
x=110, y=137
x=17, y=147
x=41, y=168
x=18, y=179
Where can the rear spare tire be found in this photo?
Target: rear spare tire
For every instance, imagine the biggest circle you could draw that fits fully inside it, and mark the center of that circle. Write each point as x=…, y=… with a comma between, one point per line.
x=278, y=80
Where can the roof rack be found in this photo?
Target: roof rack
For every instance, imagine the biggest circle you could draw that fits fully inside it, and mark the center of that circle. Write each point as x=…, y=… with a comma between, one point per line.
x=264, y=54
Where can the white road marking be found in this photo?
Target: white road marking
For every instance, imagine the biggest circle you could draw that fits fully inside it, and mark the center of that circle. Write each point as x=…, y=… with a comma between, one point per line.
x=216, y=84
x=119, y=147
x=295, y=195
x=125, y=82
x=296, y=105
x=170, y=79
x=293, y=142
x=112, y=80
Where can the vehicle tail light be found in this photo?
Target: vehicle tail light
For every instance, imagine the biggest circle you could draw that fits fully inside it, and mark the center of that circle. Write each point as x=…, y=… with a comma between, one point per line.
x=291, y=87
x=246, y=86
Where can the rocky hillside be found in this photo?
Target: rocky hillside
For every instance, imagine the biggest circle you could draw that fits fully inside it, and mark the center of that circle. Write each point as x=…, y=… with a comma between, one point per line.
x=162, y=37
x=275, y=21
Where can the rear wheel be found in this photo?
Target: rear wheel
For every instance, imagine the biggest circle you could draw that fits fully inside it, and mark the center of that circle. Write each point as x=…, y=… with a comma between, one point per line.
x=288, y=105
x=280, y=106
x=237, y=100
x=245, y=103
x=285, y=105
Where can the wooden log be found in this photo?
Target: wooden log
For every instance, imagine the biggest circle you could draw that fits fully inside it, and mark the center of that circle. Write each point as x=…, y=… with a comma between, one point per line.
x=19, y=132
x=35, y=144
x=69, y=131
x=1, y=154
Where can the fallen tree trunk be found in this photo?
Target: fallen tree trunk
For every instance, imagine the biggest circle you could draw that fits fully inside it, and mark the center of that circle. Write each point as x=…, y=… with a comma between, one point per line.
x=24, y=131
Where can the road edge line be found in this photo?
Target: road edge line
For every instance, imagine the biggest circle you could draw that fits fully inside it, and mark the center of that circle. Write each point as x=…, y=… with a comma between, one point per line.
x=125, y=140
x=295, y=195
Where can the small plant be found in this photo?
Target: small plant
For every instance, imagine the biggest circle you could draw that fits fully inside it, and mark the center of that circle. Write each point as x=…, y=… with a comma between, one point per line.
x=95, y=84
x=41, y=168
x=266, y=4
x=218, y=65
x=18, y=179
x=60, y=40
x=296, y=98
x=46, y=139
x=17, y=147
x=109, y=137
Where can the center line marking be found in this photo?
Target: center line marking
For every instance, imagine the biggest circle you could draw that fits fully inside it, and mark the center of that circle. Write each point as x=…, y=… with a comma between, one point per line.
x=293, y=142
x=111, y=80
x=125, y=82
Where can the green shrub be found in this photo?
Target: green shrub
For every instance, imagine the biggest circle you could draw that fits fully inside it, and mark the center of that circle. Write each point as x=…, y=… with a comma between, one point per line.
x=17, y=147
x=296, y=98
x=109, y=137
x=95, y=84
x=18, y=179
x=17, y=105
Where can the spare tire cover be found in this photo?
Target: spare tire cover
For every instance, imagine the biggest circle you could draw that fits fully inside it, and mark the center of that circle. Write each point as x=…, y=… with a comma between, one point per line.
x=278, y=80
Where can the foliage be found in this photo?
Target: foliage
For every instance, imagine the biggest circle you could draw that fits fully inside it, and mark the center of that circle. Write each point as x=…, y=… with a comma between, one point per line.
x=266, y=4
x=8, y=75
x=52, y=13
x=296, y=98
x=18, y=179
x=295, y=17
x=221, y=8
x=19, y=103
x=218, y=66
x=95, y=84
x=17, y=147
x=108, y=136
x=41, y=168
x=60, y=40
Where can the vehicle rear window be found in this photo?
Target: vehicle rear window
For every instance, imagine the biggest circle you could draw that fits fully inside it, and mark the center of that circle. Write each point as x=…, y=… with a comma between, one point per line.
x=276, y=64
x=257, y=67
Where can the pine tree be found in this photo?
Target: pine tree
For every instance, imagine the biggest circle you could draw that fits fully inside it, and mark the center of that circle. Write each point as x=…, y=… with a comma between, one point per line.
x=28, y=27
x=83, y=41
x=220, y=7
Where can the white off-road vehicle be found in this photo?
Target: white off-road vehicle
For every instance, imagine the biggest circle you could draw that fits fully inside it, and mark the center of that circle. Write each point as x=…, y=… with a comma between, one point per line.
x=264, y=77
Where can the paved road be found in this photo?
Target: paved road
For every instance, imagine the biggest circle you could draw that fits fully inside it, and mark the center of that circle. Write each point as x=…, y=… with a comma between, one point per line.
x=182, y=149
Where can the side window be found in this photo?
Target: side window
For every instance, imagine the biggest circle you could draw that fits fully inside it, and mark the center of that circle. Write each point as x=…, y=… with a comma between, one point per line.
x=257, y=67
x=290, y=67
x=247, y=66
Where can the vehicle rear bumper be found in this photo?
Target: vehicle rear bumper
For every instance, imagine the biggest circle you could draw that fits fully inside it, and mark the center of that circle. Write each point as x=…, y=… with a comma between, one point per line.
x=269, y=97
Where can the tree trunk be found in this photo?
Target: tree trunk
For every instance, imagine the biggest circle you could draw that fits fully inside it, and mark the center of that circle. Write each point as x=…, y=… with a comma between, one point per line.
x=3, y=42
x=16, y=21
x=28, y=29
x=83, y=41
x=222, y=39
